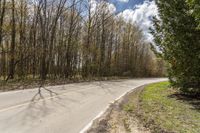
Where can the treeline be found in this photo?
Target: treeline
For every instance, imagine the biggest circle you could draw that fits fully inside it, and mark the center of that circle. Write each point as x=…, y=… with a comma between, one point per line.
x=68, y=39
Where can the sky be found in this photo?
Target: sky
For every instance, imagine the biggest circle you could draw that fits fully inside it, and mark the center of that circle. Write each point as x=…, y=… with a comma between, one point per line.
x=125, y=4
x=139, y=12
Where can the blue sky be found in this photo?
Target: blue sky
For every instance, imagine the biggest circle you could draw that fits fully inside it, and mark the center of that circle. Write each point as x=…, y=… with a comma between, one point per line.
x=121, y=6
x=138, y=12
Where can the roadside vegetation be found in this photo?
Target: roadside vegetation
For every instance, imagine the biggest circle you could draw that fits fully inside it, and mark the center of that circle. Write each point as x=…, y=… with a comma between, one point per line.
x=174, y=106
x=176, y=34
x=163, y=109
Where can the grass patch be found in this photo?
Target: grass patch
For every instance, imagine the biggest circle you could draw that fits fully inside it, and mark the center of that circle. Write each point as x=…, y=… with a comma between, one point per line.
x=129, y=107
x=163, y=107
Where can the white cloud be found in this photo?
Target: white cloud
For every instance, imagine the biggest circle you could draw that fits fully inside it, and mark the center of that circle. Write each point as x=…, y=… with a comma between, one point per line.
x=141, y=15
x=94, y=4
x=125, y=1
x=111, y=7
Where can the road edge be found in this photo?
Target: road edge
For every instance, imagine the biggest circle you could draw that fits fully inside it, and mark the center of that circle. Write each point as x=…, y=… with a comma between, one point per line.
x=90, y=124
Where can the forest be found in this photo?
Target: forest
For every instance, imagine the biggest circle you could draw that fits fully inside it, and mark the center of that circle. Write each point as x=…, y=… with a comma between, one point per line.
x=63, y=39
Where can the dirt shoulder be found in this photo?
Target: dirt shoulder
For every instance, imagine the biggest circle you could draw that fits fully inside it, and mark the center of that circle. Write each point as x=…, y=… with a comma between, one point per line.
x=119, y=119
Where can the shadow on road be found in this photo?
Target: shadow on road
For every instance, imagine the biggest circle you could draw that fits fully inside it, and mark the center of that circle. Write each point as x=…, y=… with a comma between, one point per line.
x=45, y=102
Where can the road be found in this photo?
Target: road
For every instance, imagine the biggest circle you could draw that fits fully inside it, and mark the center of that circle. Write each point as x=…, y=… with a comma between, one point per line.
x=60, y=109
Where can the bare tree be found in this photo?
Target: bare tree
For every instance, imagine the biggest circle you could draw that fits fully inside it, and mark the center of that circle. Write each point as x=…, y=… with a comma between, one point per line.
x=59, y=39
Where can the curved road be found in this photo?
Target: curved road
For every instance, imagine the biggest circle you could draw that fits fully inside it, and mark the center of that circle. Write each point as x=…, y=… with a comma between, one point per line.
x=61, y=109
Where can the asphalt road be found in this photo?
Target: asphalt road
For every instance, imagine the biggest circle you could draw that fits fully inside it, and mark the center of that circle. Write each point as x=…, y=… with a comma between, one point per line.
x=61, y=109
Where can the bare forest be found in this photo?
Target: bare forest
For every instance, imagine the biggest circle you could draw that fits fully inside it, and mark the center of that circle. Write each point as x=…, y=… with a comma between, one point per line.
x=64, y=39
